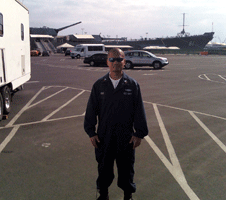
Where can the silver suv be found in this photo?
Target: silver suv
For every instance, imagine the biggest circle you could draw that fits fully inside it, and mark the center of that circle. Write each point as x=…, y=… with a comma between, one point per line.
x=144, y=58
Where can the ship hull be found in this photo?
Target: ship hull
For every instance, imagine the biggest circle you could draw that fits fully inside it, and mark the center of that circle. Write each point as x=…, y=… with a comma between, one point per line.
x=197, y=42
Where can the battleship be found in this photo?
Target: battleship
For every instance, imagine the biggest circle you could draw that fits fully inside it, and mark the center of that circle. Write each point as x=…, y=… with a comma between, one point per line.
x=195, y=42
x=183, y=40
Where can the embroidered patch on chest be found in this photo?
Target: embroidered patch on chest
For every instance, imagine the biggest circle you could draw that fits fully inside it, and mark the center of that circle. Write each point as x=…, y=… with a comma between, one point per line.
x=127, y=93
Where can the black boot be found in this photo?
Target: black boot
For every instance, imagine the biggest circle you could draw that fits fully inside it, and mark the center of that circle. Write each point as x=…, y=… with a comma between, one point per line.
x=103, y=195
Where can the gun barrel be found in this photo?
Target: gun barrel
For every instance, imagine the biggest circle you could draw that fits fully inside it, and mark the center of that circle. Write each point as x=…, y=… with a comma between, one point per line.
x=60, y=29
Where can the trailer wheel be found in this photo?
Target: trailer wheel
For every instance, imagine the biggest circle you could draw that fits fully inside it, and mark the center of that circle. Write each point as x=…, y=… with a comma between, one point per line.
x=1, y=107
x=6, y=96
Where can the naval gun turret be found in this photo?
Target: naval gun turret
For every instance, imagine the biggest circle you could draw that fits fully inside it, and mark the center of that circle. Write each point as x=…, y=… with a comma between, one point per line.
x=49, y=31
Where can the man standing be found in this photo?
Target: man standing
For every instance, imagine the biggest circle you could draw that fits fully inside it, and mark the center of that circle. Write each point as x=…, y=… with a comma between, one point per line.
x=116, y=105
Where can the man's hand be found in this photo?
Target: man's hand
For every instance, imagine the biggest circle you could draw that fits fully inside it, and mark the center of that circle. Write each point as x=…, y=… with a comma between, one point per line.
x=136, y=141
x=94, y=141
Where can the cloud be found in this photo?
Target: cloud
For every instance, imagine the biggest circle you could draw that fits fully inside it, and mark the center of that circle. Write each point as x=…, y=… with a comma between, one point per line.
x=129, y=17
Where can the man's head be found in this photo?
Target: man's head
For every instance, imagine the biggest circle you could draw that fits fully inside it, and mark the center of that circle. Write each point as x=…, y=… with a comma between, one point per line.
x=116, y=60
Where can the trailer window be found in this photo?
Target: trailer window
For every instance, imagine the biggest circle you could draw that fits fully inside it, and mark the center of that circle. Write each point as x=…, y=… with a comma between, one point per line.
x=1, y=25
x=22, y=32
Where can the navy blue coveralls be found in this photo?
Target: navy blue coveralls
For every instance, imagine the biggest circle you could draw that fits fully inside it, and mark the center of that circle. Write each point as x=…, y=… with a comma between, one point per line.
x=120, y=115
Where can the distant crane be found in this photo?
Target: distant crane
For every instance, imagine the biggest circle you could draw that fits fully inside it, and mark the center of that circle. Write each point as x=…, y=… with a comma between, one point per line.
x=219, y=39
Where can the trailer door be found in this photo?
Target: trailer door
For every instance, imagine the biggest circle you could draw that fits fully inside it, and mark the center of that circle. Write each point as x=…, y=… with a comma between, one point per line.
x=2, y=67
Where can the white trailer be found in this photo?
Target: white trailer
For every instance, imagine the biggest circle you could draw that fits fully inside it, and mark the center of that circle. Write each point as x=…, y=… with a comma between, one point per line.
x=15, y=67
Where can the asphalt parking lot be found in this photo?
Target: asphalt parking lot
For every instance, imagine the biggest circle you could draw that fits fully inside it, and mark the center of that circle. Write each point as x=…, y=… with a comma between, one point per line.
x=45, y=153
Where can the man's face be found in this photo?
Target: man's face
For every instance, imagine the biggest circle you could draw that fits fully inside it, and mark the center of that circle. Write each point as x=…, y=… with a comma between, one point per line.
x=114, y=63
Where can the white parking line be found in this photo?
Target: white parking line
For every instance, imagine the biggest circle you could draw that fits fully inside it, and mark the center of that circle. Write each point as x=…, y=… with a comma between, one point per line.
x=222, y=77
x=8, y=138
x=55, y=111
x=174, y=168
x=32, y=82
x=166, y=138
x=46, y=119
x=24, y=108
x=172, y=165
x=49, y=120
x=182, y=109
x=207, y=78
x=208, y=131
x=47, y=97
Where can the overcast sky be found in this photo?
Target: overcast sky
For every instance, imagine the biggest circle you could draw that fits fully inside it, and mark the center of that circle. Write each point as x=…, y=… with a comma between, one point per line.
x=130, y=18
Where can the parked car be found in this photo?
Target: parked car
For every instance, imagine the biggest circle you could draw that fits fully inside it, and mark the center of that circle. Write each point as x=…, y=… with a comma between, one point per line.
x=35, y=53
x=68, y=52
x=144, y=58
x=45, y=53
x=96, y=59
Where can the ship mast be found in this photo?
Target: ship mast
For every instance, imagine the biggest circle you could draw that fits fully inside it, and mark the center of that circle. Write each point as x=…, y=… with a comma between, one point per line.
x=183, y=33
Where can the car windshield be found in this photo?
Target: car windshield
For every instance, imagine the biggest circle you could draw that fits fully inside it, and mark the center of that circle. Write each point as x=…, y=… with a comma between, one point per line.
x=151, y=54
x=78, y=49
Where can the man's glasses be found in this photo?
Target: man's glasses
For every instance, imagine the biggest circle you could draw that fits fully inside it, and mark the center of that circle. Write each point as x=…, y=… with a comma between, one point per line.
x=115, y=59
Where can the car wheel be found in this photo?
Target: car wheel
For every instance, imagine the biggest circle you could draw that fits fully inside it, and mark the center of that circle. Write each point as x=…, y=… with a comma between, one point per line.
x=92, y=63
x=72, y=57
x=1, y=107
x=157, y=65
x=78, y=56
x=128, y=65
x=6, y=96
